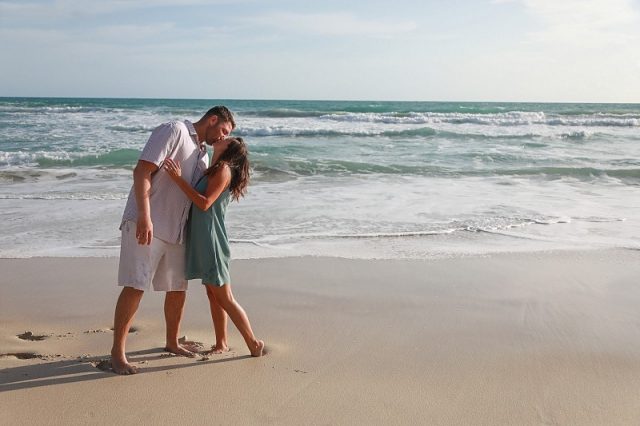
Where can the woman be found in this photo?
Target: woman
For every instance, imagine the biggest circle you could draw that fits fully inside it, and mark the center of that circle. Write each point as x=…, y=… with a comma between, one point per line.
x=208, y=253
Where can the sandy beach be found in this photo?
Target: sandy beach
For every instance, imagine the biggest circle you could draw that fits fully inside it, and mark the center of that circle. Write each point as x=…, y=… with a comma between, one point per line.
x=528, y=338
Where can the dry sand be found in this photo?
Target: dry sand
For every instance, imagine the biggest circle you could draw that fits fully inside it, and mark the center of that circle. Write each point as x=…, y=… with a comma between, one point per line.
x=518, y=339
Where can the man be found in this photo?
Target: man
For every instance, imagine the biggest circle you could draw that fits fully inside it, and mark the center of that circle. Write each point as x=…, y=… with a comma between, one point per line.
x=153, y=224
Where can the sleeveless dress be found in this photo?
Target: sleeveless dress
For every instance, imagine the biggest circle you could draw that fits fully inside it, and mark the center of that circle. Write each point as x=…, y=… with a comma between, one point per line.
x=208, y=253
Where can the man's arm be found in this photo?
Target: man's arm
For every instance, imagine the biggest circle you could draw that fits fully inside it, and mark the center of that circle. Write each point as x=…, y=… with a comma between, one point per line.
x=142, y=186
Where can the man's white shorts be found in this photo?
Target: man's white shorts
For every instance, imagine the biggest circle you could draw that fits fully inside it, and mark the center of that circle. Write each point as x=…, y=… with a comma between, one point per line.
x=160, y=263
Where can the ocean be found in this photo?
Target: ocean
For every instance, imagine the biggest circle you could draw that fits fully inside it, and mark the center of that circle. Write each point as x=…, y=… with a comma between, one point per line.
x=359, y=179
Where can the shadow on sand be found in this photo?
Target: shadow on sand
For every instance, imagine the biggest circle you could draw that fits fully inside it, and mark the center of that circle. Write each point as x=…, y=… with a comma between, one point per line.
x=82, y=369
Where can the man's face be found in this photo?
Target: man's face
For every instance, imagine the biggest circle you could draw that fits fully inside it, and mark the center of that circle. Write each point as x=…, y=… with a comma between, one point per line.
x=217, y=131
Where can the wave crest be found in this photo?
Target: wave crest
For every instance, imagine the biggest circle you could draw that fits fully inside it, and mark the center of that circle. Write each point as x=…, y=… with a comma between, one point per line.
x=512, y=118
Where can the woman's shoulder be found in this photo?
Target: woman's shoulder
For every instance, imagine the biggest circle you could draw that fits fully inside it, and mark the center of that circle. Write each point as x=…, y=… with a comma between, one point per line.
x=223, y=168
x=222, y=171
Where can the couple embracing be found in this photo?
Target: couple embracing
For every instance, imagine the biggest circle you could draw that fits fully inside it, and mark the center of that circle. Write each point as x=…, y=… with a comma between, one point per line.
x=173, y=229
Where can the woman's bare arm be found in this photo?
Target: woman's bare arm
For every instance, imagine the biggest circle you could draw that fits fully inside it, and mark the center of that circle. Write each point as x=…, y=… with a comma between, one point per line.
x=216, y=185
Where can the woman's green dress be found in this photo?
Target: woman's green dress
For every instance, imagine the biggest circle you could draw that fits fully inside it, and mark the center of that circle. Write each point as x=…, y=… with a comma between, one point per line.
x=208, y=253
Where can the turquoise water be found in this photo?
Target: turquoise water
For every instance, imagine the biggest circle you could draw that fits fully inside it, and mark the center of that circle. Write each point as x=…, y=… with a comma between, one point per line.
x=363, y=179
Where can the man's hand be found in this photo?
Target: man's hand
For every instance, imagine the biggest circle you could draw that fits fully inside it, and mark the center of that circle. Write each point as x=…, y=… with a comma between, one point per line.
x=144, y=231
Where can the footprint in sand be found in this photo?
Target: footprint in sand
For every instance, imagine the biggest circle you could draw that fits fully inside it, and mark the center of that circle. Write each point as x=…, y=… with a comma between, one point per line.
x=23, y=355
x=132, y=329
x=98, y=330
x=106, y=366
x=191, y=345
x=27, y=335
x=103, y=365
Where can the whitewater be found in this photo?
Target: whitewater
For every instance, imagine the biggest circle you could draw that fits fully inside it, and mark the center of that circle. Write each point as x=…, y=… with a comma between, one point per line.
x=349, y=179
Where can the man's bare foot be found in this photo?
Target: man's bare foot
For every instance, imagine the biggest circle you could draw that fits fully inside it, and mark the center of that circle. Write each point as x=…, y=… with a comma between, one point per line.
x=258, y=349
x=179, y=350
x=120, y=365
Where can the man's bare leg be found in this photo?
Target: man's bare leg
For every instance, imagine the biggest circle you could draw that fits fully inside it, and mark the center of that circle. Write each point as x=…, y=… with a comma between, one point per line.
x=126, y=308
x=219, y=317
x=173, y=310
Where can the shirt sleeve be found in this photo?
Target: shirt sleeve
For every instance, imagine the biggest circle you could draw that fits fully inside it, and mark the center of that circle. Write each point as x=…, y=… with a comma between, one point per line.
x=160, y=144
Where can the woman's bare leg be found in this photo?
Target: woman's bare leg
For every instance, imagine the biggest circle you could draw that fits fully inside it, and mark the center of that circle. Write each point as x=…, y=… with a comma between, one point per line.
x=219, y=318
x=225, y=299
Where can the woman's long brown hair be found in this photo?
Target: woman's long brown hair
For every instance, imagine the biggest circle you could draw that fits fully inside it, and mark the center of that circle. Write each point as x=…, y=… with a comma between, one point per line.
x=236, y=156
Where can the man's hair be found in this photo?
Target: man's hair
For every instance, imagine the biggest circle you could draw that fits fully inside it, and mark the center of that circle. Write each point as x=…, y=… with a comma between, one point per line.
x=223, y=114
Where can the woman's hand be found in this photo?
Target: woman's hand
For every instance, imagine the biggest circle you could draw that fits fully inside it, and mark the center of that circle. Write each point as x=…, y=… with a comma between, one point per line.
x=172, y=168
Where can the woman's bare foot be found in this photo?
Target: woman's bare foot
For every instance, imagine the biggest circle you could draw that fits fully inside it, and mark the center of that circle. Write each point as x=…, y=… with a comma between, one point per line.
x=179, y=350
x=258, y=349
x=120, y=365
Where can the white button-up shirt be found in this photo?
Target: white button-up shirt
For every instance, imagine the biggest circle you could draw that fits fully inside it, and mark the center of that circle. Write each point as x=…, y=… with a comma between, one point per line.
x=169, y=205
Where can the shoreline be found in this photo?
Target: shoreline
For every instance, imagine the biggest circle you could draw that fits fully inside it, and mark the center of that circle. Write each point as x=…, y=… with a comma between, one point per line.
x=305, y=257
x=518, y=338
x=416, y=248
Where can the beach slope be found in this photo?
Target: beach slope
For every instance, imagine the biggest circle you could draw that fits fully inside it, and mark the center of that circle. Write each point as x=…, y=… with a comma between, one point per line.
x=528, y=338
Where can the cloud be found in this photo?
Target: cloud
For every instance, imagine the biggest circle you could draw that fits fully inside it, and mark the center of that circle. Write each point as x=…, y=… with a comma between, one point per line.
x=129, y=34
x=61, y=9
x=592, y=23
x=22, y=38
x=96, y=7
x=330, y=24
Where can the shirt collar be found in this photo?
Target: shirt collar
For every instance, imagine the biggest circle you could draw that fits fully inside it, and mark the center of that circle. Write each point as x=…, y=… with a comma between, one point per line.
x=194, y=135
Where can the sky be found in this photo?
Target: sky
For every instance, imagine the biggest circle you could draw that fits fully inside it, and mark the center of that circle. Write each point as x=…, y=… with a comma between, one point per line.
x=414, y=50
